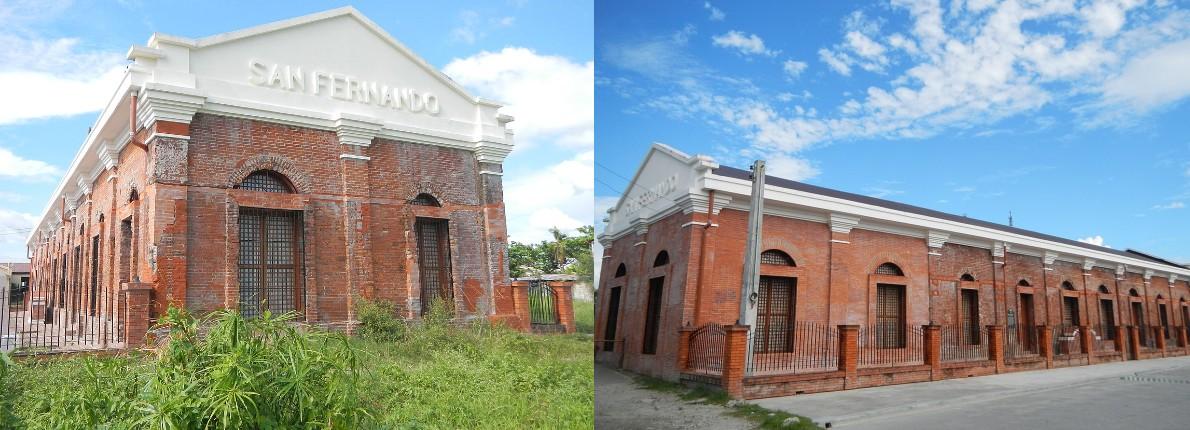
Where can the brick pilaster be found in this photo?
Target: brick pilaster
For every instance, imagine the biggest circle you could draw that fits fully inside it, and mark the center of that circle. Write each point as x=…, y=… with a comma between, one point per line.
x=932, y=337
x=563, y=300
x=840, y=277
x=684, y=348
x=735, y=345
x=1160, y=336
x=1087, y=340
x=849, y=354
x=1045, y=345
x=520, y=300
x=1119, y=341
x=136, y=312
x=996, y=346
x=1182, y=340
x=1134, y=340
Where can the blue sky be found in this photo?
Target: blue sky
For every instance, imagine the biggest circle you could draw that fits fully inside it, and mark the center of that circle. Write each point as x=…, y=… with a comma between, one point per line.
x=1070, y=114
x=60, y=61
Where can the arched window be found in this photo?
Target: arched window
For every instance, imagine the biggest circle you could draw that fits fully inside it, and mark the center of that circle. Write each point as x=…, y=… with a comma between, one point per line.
x=425, y=199
x=662, y=259
x=1023, y=283
x=1066, y=285
x=1103, y=289
x=133, y=195
x=1132, y=292
x=621, y=271
x=267, y=181
x=967, y=277
x=1160, y=297
x=889, y=269
x=776, y=257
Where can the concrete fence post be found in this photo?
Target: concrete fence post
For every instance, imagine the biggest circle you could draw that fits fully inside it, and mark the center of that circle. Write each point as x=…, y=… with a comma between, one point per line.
x=996, y=346
x=932, y=338
x=1087, y=339
x=136, y=312
x=684, y=333
x=735, y=345
x=1045, y=343
x=849, y=354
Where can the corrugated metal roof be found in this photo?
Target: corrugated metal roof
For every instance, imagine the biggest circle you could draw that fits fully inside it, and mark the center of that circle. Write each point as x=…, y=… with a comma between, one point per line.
x=733, y=172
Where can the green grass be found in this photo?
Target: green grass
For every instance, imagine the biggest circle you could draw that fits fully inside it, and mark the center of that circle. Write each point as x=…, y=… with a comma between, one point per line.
x=267, y=374
x=763, y=417
x=584, y=316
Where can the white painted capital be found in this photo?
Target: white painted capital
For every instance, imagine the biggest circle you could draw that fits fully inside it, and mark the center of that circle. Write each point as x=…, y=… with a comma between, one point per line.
x=1088, y=264
x=1173, y=277
x=937, y=238
x=162, y=102
x=1120, y=268
x=1148, y=274
x=356, y=131
x=1049, y=257
x=999, y=248
x=842, y=223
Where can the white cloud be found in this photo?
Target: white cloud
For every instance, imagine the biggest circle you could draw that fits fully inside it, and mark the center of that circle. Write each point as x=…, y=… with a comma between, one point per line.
x=54, y=77
x=14, y=229
x=965, y=189
x=837, y=62
x=793, y=68
x=747, y=44
x=716, y=14
x=12, y=165
x=468, y=30
x=1094, y=240
x=789, y=167
x=1173, y=205
x=560, y=196
x=1151, y=80
x=552, y=98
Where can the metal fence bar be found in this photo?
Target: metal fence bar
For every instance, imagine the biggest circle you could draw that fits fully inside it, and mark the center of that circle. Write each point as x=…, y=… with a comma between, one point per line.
x=1066, y=340
x=1104, y=337
x=886, y=346
x=63, y=311
x=1020, y=341
x=543, y=308
x=814, y=348
x=964, y=342
x=706, y=350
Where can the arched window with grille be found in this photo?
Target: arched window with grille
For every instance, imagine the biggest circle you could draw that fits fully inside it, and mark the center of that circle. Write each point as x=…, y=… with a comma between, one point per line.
x=662, y=259
x=889, y=269
x=266, y=181
x=776, y=257
x=967, y=277
x=1023, y=283
x=425, y=199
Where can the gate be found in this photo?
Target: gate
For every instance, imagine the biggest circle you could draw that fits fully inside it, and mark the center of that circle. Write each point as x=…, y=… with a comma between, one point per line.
x=69, y=312
x=543, y=309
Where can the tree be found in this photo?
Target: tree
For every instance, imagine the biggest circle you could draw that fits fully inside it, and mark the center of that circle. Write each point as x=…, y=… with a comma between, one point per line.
x=563, y=254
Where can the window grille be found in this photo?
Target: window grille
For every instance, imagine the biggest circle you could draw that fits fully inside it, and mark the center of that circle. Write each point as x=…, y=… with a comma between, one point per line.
x=433, y=248
x=890, y=316
x=267, y=181
x=775, y=310
x=889, y=269
x=653, y=316
x=661, y=260
x=270, y=264
x=777, y=258
x=967, y=277
x=424, y=199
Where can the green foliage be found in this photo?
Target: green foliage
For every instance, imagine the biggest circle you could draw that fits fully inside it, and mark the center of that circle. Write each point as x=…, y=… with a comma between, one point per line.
x=763, y=417
x=7, y=419
x=563, y=254
x=378, y=320
x=584, y=316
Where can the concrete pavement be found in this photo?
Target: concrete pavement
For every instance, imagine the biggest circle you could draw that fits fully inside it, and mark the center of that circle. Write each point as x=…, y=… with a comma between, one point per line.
x=1150, y=394
x=621, y=404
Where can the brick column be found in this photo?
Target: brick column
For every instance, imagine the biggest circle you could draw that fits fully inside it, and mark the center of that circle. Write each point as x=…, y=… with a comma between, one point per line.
x=841, y=258
x=495, y=227
x=520, y=300
x=563, y=300
x=1119, y=341
x=136, y=312
x=1182, y=337
x=849, y=354
x=684, y=348
x=1045, y=345
x=735, y=345
x=1087, y=340
x=996, y=346
x=1134, y=340
x=932, y=337
x=1160, y=336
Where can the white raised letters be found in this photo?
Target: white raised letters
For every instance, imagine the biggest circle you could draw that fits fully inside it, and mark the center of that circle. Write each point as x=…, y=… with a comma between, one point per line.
x=342, y=87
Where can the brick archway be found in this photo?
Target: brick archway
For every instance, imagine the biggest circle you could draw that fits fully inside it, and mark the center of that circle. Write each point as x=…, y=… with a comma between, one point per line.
x=276, y=163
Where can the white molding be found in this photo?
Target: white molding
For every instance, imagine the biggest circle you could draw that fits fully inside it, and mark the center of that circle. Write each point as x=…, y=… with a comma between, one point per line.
x=934, y=253
x=163, y=102
x=935, y=239
x=490, y=172
x=1049, y=257
x=843, y=223
x=1088, y=264
x=1148, y=275
x=640, y=243
x=998, y=249
x=693, y=223
x=840, y=241
x=355, y=157
x=166, y=135
x=356, y=131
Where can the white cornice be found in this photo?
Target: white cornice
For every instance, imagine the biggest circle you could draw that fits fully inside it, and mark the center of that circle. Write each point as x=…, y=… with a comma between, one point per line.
x=937, y=238
x=168, y=103
x=843, y=223
x=356, y=131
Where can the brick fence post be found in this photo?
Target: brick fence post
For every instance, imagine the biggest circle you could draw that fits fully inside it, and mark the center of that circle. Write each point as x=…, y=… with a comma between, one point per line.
x=684, y=348
x=932, y=337
x=735, y=349
x=1119, y=341
x=1182, y=338
x=1160, y=336
x=520, y=305
x=1087, y=340
x=136, y=312
x=1134, y=340
x=849, y=354
x=563, y=299
x=1045, y=344
x=996, y=346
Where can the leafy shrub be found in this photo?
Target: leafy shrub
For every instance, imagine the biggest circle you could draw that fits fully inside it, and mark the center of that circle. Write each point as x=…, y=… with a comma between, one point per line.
x=378, y=320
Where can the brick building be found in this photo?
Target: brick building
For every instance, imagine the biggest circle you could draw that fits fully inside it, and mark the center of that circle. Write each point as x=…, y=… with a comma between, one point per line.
x=858, y=291
x=292, y=166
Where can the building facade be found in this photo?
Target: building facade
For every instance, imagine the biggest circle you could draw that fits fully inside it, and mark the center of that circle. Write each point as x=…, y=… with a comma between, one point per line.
x=294, y=166
x=857, y=291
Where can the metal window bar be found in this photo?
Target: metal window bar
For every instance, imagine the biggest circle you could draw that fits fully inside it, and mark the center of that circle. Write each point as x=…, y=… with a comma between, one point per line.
x=706, y=350
x=266, y=181
x=433, y=247
x=815, y=349
x=964, y=342
x=886, y=345
x=1066, y=340
x=270, y=262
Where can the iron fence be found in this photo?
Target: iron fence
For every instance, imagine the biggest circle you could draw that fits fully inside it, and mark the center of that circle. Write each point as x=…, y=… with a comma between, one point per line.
x=70, y=314
x=883, y=345
x=814, y=347
x=543, y=308
x=1148, y=342
x=1066, y=340
x=964, y=342
x=1020, y=341
x=706, y=350
x=1105, y=338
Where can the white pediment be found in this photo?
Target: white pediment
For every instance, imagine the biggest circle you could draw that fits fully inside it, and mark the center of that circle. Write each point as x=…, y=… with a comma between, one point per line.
x=665, y=177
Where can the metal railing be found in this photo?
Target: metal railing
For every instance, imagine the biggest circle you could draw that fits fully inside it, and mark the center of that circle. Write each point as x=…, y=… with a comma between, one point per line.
x=1021, y=341
x=1148, y=342
x=706, y=350
x=1066, y=340
x=73, y=315
x=814, y=347
x=883, y=345
x=964, y=342
x=1104, y=337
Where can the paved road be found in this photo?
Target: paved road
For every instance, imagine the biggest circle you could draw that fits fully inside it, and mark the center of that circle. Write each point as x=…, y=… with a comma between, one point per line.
x=621, y=404
x=1148, y=394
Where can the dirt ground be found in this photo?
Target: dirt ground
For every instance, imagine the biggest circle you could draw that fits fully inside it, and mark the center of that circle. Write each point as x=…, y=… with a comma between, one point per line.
x=621, y=404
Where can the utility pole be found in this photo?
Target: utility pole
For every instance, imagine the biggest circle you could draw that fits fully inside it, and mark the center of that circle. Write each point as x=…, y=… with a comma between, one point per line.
x=748, y=293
